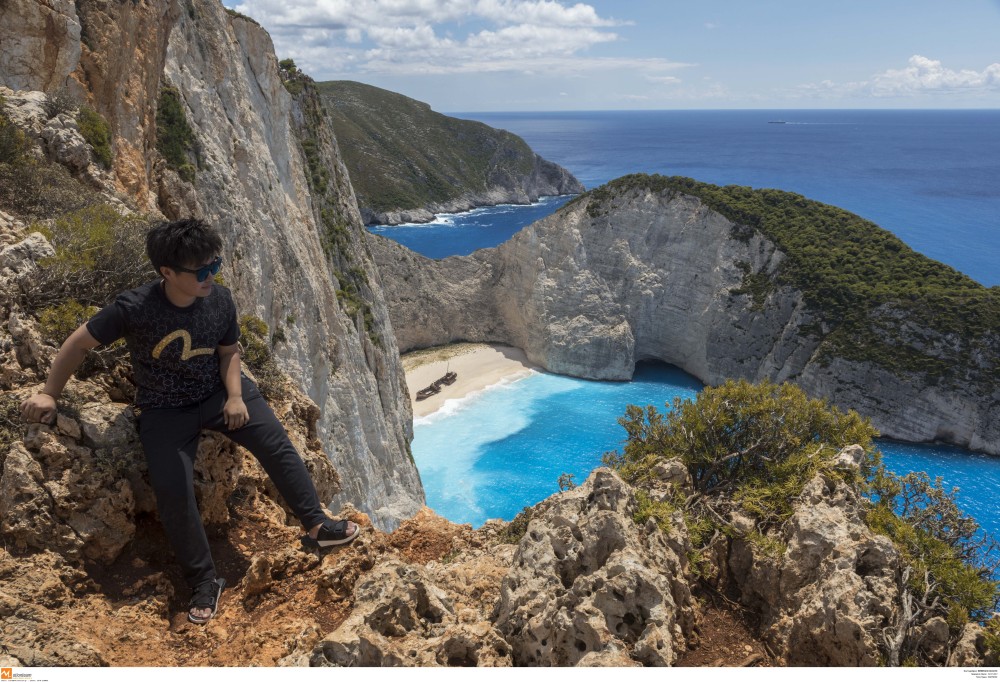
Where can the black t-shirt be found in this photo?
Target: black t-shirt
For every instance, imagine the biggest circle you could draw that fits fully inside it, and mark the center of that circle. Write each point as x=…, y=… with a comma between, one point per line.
x=173, y=349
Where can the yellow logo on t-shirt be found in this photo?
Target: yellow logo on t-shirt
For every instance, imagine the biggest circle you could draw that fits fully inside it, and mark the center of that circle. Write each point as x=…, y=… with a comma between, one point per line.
x=188, y=352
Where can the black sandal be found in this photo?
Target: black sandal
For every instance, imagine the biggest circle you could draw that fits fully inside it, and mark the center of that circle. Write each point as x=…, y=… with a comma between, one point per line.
x=331, y=533
x=206, y=596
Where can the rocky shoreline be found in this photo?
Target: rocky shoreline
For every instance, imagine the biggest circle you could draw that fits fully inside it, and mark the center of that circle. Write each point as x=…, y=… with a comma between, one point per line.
x=464, y=204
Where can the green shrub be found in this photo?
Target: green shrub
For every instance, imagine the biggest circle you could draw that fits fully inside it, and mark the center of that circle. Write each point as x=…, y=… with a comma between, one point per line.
x=14, y=143
x=515, y=530
x=11, y=425
x=96, y=132
x=57, y=322
x=757, y=444
x=938, y=541
x=99, y=253
x=237, y=15
x=175, y=140
x=59, y=103
x=41, y=189
x=258, y=358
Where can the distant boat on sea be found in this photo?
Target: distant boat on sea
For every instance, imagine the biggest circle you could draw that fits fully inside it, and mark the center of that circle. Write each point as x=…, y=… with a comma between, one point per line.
x=777, y=121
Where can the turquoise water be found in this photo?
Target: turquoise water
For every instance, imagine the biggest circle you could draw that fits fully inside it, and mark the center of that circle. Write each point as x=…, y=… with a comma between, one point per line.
x=496, y=452
x=493, y=453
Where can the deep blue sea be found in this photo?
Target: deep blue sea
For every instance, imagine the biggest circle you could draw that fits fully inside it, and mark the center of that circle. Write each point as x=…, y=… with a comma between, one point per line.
x=931, y=177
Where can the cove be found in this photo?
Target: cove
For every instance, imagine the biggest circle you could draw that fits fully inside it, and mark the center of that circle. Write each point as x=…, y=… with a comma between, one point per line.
x=497, y=451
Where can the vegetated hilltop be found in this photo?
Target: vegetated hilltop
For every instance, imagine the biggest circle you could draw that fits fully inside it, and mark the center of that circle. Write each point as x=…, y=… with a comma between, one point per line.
x=724, y=282
x=407, y=162
x=168, y=109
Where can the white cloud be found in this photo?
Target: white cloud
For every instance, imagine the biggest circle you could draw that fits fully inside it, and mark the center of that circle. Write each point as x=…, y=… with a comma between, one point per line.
x=928, y=75
x=920, y=76
x=348, y=38
x=664, y=80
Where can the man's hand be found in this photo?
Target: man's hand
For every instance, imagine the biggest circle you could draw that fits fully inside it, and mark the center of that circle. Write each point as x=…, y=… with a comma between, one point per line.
x=40, y=407
x=235, y=413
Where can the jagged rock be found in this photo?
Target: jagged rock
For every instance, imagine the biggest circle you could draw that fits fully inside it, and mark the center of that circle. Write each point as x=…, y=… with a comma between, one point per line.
x=29, y=346
x=65, y=144
x=933, y=637
x=850, y=457
x=265, y=569
x=588, y=586
x=401, y=618
x=971, y=650
x=826, y=599
x=29, y=587
x=20, y=259
x=63, y=497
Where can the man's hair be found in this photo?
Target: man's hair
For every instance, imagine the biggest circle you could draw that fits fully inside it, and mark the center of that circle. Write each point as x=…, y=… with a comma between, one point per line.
x=182, y=243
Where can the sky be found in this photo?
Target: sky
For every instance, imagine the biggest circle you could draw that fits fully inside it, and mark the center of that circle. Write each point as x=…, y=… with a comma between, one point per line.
x=549, y=55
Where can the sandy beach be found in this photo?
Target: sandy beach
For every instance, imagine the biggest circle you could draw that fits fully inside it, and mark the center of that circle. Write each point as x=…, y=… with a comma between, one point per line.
x=478, y=365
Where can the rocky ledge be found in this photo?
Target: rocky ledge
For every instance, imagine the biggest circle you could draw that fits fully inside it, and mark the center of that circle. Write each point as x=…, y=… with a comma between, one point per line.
x=86, y=581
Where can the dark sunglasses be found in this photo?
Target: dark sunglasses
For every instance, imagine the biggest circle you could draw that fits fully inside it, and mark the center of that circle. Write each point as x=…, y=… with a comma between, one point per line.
x=204, y=271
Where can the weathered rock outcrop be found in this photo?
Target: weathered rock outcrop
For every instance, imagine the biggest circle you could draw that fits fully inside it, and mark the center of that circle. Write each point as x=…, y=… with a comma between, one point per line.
x=833, y=592
x=251, y=180
x=408, y=162
x=660, y=275
x=590, y=587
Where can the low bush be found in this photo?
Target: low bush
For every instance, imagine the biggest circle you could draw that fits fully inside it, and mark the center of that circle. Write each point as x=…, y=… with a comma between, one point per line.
x=99, y=253
x=751, y=447
x=97, y=133
x=257, y=356
x=32, y=187
x=175, y=140
x=57, y=322
x=14, y=143
x=40, y=189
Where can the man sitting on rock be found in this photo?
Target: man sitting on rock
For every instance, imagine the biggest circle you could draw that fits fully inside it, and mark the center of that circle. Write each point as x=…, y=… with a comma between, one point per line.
x=182, y=336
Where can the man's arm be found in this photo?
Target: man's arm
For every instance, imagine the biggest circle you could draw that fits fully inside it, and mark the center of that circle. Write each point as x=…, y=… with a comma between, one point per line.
x=235, y=411
x=42, y=406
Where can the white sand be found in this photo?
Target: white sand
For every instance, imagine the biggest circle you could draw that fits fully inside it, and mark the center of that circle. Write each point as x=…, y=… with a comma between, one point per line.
x=478, y=366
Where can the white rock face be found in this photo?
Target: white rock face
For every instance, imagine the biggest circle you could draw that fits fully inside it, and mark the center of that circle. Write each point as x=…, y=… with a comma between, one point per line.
x=653, y=277
x=41, y=43
x=251, y=184
x=253, y=187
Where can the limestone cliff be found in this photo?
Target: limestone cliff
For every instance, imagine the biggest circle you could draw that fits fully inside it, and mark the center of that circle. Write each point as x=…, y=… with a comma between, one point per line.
x=408, y=162
x=249, y=174
x=637, y=272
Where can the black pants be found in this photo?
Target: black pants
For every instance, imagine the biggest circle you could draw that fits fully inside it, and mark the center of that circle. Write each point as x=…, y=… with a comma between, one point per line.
x=170, y=440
